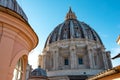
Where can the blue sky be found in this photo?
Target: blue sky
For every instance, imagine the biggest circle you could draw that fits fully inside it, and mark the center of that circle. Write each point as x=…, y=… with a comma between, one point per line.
x=102, y=15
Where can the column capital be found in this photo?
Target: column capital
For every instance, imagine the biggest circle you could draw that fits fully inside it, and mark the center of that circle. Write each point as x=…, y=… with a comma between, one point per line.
x=72, y=48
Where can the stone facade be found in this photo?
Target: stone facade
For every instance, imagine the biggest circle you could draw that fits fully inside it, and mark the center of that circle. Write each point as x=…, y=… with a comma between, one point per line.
x=28, y=71
x=53, y=57
x=110, y=74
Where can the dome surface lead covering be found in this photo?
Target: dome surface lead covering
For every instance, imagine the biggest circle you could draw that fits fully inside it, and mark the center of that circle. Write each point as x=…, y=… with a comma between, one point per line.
x=72, y=28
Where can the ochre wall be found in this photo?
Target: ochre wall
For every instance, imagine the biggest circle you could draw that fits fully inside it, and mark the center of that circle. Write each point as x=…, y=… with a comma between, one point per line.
x=111, y=77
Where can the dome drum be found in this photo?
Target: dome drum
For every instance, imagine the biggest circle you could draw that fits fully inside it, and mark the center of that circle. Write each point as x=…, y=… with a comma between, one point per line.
x=77, y=42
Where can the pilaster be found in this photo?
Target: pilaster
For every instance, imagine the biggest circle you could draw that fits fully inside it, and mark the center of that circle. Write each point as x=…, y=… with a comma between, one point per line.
x=55, y=59
x=109, y=59
x=73, y=59
x=105, y=60
x=90, y=54
x=93, y=58
x=44, y=61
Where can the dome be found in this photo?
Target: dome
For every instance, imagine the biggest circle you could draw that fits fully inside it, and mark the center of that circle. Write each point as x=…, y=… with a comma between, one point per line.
x=72, y=28
x=14, y=6
x=73, y=51
x=38, y=72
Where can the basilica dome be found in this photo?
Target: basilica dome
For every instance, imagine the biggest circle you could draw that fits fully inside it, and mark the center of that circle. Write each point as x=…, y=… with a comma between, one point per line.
x=73, y=51
x=72, y=28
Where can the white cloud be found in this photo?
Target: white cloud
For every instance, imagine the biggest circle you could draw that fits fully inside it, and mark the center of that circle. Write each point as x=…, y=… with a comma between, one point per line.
x=33, y=58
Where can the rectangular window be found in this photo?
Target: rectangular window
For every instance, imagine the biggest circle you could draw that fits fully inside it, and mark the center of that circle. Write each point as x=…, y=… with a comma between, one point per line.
x=66, y=61
x=80, y=61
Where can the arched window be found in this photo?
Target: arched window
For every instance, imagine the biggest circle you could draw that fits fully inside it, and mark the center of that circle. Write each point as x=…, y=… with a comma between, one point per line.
x=18, y=71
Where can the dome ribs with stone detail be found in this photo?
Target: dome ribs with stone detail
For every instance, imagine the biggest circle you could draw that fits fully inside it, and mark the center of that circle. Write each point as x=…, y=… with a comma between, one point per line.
x=71, y=28
x=80, y=29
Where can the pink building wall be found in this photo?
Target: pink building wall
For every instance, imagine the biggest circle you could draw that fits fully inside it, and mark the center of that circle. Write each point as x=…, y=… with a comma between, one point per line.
x=17, y=39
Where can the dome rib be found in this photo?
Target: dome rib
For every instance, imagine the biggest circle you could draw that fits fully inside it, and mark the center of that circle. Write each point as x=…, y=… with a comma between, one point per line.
x=81, y=29
x=59, y=32
x=72, y=29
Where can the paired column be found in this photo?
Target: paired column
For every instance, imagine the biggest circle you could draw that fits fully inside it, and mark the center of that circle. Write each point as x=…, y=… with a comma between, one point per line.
x=105, y=60
x=44, y=62
x=91, y=61
x=73, y=59
x=55, y=59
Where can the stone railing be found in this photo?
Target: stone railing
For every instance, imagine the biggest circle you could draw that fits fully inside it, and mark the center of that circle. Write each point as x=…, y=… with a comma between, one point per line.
x=74, y=72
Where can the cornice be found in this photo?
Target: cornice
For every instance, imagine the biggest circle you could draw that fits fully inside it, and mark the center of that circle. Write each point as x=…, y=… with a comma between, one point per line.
x=16, y=23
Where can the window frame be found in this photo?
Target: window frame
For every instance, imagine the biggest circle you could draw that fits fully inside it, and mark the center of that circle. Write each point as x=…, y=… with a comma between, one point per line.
x=80, y=61
x=18, y=70
x=66, y=61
